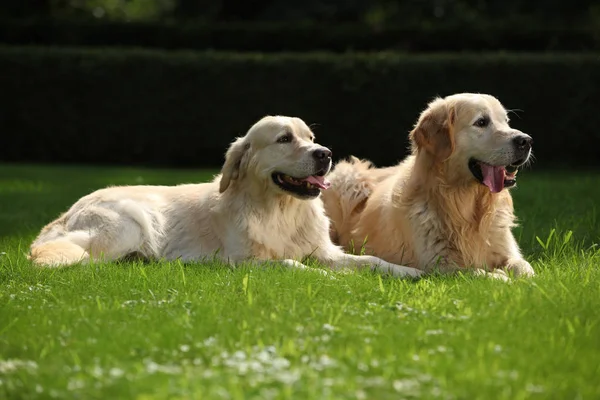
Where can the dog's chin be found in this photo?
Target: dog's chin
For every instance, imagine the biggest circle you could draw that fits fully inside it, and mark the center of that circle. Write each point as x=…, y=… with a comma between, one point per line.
x=306, y=188
x=495, y=177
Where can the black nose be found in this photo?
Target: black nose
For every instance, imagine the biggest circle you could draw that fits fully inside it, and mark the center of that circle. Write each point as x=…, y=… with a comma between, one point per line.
x=523, y=142
x=322, y=154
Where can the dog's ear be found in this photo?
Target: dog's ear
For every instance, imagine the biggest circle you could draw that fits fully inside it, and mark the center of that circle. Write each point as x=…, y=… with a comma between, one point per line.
x=233, y=163
x=434, y=130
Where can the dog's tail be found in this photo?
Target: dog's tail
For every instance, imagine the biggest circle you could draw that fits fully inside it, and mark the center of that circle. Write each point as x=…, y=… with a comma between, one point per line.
x=351, y=186
x=55, y=246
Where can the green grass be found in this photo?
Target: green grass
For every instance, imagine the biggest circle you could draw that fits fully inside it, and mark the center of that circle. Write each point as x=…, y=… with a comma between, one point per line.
x=167, y=330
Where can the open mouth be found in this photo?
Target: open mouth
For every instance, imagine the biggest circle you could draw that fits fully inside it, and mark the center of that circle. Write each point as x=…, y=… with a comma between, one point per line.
x=494, y=177
x=309, y=186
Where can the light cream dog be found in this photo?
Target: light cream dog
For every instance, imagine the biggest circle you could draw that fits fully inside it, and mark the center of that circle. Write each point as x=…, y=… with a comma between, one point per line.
x=446, y=206
x=264, y=206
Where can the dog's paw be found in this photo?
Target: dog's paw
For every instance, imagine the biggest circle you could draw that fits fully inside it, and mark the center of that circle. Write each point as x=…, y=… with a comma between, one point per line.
x=401, y=271
x=520, y=267
x=495, y=274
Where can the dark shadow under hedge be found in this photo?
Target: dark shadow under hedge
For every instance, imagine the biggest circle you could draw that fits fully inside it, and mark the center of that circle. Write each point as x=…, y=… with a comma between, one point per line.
x=183, y=109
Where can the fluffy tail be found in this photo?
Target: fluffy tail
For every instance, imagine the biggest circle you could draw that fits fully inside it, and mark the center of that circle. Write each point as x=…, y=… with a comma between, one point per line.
x=56, y=247
x=351, y=186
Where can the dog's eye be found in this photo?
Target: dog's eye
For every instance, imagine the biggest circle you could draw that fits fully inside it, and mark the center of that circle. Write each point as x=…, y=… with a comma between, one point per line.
x=287, y=138
x=482, y=122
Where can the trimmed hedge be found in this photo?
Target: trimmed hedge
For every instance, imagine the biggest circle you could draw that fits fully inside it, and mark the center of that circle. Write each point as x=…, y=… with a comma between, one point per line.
x=183, y=109
x=298, y=38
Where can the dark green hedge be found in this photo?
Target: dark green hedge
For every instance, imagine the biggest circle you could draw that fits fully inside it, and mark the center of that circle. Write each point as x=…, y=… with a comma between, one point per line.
x=182, y=109
x=485, y=36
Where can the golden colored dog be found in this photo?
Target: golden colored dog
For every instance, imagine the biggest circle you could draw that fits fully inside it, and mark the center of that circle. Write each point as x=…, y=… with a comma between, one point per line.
x=446, y=206
x=264, y=206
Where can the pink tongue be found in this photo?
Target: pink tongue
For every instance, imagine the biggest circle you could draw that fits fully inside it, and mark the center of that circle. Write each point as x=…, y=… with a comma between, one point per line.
x=493, y=177
x=318, y=181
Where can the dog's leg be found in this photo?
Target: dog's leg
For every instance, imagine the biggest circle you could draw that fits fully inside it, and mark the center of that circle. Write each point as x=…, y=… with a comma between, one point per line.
x=510, y=255
x=336, y=258
x=298, y=265
x=292, y=264
x=118, y=236
x=516, y=263
x=379, y=265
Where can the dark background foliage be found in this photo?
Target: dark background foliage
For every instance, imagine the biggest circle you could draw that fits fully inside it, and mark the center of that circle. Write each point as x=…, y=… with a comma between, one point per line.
x=172, y=82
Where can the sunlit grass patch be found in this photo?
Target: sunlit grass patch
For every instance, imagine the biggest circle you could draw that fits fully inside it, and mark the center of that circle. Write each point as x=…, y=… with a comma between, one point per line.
x=157, y=330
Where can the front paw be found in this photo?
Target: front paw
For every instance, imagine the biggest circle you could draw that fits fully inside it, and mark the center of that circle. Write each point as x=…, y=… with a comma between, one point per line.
x=519, y=267
x=399, y=271
x=495, y=274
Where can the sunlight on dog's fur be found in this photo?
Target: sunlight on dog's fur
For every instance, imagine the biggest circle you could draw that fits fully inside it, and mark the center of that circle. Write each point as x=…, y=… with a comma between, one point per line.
x=264, y=206
x=445, y=207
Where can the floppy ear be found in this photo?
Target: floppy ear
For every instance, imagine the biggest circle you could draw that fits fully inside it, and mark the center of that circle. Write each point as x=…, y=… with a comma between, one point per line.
x=233, y=161
x=434, y=130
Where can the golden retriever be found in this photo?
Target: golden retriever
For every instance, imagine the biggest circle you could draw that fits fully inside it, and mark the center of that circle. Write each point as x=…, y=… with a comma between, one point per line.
x=265, y=205
x=446, y=206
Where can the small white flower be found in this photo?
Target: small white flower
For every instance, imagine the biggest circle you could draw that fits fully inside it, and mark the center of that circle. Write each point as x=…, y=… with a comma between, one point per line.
x=116, y=372
x=75, y=384
x=280, y=363
x=405, y=385
x=288, y=377
x=534, y=388
x=7, y=366
x=184, y=348
x=151, y=367
x=326, y=361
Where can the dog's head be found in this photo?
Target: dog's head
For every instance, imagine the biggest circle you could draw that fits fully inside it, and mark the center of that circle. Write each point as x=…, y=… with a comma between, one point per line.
x=280, y=153
x=468, y=135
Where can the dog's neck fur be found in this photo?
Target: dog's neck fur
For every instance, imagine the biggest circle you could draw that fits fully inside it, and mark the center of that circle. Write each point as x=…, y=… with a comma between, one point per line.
x=465, y=209
x=280, y=217
x=467, y=205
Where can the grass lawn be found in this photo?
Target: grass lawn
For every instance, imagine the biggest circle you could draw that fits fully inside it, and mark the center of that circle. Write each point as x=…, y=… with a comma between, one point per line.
x=167, y=330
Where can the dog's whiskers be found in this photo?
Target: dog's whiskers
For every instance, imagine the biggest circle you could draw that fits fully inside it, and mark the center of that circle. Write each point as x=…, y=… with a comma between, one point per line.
x=514, y=111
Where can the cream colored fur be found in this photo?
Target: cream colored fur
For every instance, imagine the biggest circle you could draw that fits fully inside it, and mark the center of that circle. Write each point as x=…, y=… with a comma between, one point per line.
x=242, y=215
x=429, y=212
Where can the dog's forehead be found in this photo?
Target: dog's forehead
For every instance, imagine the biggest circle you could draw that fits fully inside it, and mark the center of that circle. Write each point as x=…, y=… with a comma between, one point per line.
x=294, y=125
x=495, y=106
x=268, y=128
x=474, y=106
x=301, y=129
